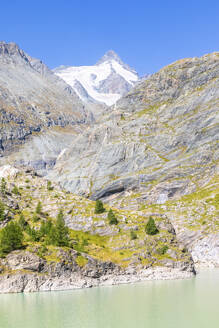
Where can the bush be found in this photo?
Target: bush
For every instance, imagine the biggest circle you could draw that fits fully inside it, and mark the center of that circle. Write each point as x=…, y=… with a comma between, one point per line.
x=2, y=211
x=39, y=208
x=162, y=250
x=151, y=228
x=3, y=185
x=11, y=238
x=15, y=190
x=22, y=222
x=49, y=186
x=99, y=207
x=133, y=235
x=111, y=217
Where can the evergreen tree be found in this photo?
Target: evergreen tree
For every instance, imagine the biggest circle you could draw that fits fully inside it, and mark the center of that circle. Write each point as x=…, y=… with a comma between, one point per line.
x=39, y=208
x=2, y=211
x=151, y=228
x=99, y=207
x=49, y=185
x=15, y=190
x=62, y=232
x=133, y=235
x=45, y=228
x=111, y=217
x=11, y=238
x=22, y=222
x=3, y=185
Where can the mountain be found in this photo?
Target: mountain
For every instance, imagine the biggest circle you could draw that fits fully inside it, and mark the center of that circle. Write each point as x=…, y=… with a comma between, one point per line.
x=158, y=151
x=35, y=102
x=155, y=154
x=94, y=252
x=104, y=82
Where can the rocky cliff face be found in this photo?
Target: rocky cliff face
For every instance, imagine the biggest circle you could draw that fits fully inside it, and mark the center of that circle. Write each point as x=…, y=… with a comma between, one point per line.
x=32, y=100
x=158, y=149
x=161, y=140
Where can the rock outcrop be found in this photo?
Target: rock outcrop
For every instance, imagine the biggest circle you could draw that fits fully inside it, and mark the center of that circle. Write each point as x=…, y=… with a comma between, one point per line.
x=161, y=139
x=34, y=100
x=98, y=252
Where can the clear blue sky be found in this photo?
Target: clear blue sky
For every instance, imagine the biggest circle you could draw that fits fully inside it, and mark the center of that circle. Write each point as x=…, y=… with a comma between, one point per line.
x=146, y=34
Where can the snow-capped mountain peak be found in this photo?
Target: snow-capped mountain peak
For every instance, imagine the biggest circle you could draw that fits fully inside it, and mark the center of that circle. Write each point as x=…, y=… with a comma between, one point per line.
x=110, y=55
x=104, y=82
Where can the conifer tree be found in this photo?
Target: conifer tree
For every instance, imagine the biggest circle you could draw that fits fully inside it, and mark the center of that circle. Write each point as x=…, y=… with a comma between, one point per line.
x=99, y=207
x=3, y=185
x=62, y=232
x=22, y=222
x=2, y=211
x=111, y=217
x=11, y=238
x=39, y=208
x=151, y=228
x=15, y=190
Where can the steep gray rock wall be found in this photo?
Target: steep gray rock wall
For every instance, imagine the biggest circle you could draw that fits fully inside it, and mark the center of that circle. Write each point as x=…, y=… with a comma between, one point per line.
x=32, y=98
x=161, y=139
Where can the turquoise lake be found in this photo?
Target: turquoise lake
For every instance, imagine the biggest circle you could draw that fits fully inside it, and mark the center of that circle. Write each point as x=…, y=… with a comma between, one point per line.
x=168, y=304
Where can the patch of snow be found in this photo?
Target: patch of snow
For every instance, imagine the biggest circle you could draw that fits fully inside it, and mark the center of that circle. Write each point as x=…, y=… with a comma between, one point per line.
x=8, y=170
x=90, y=78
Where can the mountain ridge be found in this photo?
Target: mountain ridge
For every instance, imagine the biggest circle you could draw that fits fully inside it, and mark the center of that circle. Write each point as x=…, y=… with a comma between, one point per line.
x=87, y=81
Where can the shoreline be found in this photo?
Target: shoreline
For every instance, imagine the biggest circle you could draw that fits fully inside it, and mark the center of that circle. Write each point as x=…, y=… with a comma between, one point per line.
x=32, y=282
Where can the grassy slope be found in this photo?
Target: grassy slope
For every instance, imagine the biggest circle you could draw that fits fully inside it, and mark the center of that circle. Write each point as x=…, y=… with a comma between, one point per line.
x=98, y=239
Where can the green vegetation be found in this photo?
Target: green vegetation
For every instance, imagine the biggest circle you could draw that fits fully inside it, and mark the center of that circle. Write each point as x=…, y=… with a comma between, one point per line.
x=151, y=228
x=99, y=207
x=39, y=208
x=133, y=235
x=11, y=238
x=3, y=185
x=44, y=234
x=2, y=211
x=15, y=190
x=22, y=222
x=112, y=218
x=61, y=232
x=49, y=186
x=81, y=261
x=162, y=250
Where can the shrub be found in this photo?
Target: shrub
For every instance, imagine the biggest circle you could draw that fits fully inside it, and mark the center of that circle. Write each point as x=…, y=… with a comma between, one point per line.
x=49, y=186
x=162, y=250
x=15, y=190
x=99, y=207
x=2, y=211
x=133, y=235
x=11, y=238
x=39, y=208
x=111, y=217
x=151, y=228
x=22, y=222
x=3, y=185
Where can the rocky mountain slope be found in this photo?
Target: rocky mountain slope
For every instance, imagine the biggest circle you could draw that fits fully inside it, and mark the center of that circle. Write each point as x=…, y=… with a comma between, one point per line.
x=162, y=140
x=104, y=82
x=153, y=154
x=33, y=100
x=97, y=253
x=158, y=146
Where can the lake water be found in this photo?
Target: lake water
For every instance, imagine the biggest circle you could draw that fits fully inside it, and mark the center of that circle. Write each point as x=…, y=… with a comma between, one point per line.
x=192, y=303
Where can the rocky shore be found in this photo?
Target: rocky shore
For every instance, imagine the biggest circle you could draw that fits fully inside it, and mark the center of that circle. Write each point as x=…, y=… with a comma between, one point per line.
x=22, y=271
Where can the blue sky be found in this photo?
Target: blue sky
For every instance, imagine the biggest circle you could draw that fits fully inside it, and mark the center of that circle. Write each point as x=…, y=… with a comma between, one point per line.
x=146, y=34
